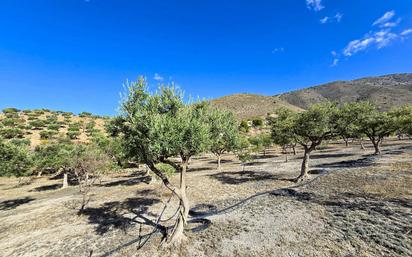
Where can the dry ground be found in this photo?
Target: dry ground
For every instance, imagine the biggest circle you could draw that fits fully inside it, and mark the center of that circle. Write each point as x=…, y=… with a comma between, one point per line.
x=354, y=204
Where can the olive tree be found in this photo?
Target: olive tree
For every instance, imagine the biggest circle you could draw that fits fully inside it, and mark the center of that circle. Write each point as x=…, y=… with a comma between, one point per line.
x=56, y=158
x=309, y=129
x=224, y=133
x=158, y=126
x=15, y=160
x=282, y=130
x=376, y=125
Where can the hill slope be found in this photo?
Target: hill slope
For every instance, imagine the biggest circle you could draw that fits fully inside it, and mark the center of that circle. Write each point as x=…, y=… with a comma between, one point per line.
x=250, y=105
x=385, y=91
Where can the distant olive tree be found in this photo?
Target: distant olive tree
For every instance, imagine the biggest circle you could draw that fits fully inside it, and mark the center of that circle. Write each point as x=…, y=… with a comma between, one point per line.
x=376, y=125
x=224, y=133
x=15, y=159
x=309, y=129
x=282, y=130
x=158, y=126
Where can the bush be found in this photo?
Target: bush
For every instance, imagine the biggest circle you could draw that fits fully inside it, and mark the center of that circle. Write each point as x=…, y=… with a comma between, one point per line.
x=37, y=124
x=47, y=134
x=20, y=142
x=85, y=114
x=9, y=133
x=244, y=127
x=73, y=134
x=8, y=122
x=54, y=127
x=14, y=160
x=10, y=110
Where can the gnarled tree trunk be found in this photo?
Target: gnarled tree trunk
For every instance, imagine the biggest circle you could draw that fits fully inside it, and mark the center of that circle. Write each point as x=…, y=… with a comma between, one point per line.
x=219, y=158
x=305, y=163
x=177, y=235
x=65, y=179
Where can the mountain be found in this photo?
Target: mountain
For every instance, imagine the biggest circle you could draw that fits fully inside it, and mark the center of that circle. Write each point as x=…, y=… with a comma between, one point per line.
x=246, y=106
x=385, y=91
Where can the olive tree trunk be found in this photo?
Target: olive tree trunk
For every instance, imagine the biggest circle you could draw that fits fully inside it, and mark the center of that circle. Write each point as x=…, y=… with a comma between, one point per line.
x=219, y=158
x=177, y=234
x=65, y=180
x=305, y=163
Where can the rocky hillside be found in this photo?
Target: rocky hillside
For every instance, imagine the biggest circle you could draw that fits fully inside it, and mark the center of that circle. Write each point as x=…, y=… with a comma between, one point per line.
x=385, y=91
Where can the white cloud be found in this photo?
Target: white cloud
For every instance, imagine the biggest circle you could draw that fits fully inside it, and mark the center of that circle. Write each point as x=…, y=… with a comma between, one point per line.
x=324, y=20
x=337, y=18
x=315, y=5
x=333, y=53
x=406, y=32
x=157, y=77
x=335, y=62
x=280, y=49
x=384, y=19
x=379, y=39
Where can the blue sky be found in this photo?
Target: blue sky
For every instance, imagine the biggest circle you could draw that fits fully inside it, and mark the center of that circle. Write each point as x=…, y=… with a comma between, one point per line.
x=74, y=55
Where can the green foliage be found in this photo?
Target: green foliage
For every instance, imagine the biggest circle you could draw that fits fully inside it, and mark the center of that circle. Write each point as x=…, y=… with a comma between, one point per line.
x=8, y=122
x=47, y=134
x=10, y=110
x=375, y=124
x=156, y=126
x=244, y=127
x=51, y=157
x=20, y=142
x=74, y=127
x=54, y=127
x=224, y=133
x=113, y=147
x=282, y=128
x=9, y=133
x=403, y=119
x=166, y=168
x=85, y=114
x=15, y=160
x=37, y=124
x=73, y=134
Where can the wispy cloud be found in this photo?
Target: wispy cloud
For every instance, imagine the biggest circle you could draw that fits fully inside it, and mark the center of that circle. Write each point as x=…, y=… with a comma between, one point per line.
x=278, y=49
x=335, y=62
x=378, y=38
x=406, y=32
x=385, y=18
x=315, y=5
x=337, y=18
x=157, y=77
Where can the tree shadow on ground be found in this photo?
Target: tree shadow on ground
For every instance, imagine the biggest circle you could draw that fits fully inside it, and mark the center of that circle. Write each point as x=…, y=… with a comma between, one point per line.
x=122, y=215
x=240, y=177
x=358, y=163
x=267, y=156
x=331, y=155
x=221, y=161
x=128, y=182
x=197, y=169
x=46, y=188
x=14, y=203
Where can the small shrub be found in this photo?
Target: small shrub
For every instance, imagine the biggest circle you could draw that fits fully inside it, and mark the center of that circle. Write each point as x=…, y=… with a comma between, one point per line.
x=9, y=133
x=47, y=134
x=73, y=134
x=54, y=127
x=10, y=110
x=244, y=127
x=85, y=114
x=37, y=124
